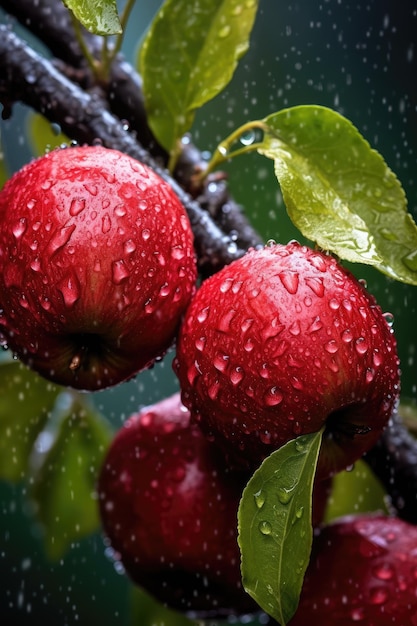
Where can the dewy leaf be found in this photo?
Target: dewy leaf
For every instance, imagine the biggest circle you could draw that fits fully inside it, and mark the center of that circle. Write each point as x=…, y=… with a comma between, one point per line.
x=26, y=401
x=339, y=192
x=98, y=16
x=188, y=57
x=275, y=531
x=64, y=475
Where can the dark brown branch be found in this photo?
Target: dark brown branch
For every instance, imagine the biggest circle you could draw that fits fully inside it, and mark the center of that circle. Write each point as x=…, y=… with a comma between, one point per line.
x=27, y=77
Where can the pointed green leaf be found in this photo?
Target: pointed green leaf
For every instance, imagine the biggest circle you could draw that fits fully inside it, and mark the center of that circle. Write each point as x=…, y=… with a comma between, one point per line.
x=339, y=192
x=275, y=532
x=98, y=16
x=64, y=476
x=26, y=401
x=188, y=56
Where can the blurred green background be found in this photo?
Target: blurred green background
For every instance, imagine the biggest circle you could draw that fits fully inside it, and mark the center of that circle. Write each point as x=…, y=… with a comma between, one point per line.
x=356, y=57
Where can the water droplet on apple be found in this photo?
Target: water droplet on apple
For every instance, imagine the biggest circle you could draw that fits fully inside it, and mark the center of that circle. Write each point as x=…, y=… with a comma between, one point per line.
x=295, y=328
x=165, y=290
x=105, y=224
x=246, y=324
x=221, y=361
x=226, y=285
x=203, y=315
x=236, y=375
x=273, y=396
x=226, y=320
x=334, y=304
x=146, y=233
x=19, y=228
x=290, y=280
x=200, y=343
x=249, y=345
x=316, y=284
x=119, y=272
x=77, y=206
x=70, y=289
x=361, y=346
x=316, y=325
x=265, y=527
x=259, y=498
x=331, y=346
x=318, y=262
x=60, y=238
x=389, y=318
x=129, y=246
x=378, y=595
x=347, y=336
x=357, y=614
x=213, y=390
x=384, y=571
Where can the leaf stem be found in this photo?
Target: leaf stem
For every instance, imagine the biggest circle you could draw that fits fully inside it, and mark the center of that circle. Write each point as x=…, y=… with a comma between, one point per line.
x=223, y=151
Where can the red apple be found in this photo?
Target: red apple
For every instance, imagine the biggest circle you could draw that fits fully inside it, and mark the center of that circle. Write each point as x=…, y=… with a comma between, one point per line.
x=96, y=266
x=281, y=343
x=363, y=570
x=168, y=506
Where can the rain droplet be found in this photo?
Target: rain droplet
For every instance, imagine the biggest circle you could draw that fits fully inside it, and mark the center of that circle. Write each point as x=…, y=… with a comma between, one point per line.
x=77, y=205
x=378, y=595
x=331, y=346
x=19, y=228
x=318, y=262
x=120, y=210
x=224, y=31
x=247, y=138
x=225, y=321
x=105, y=224
x=316, y=285
x=357, y=614
x=334, y=304
x=377, y=358
x=347, y=336
x=203, y=314
x=200, y=343
x=213, y=390
x=60, y=239
x=295, y=328
x=290, y=280
x=119, y=272
x=129, y=246
x=146, y=233
x=299, y=513
x=265, y=527
x=260, y=498
x=246, y=324
x=221, y=361
x=236, y=375
x=361, y=346
x=70, y=289
x=384, y=571
x=389, y=318
x=285, y=494
x=273, y=397
x=316, y=325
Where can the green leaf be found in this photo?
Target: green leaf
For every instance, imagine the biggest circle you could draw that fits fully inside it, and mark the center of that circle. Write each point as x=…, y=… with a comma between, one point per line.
x=65, y=474
x=275, y=532
x=98, y=16
x=188, y=56
x=43, y=135
x=26, y=401
x=339, y=192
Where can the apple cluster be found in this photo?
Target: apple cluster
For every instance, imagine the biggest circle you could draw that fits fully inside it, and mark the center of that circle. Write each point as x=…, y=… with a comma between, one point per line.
x=98, y=278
